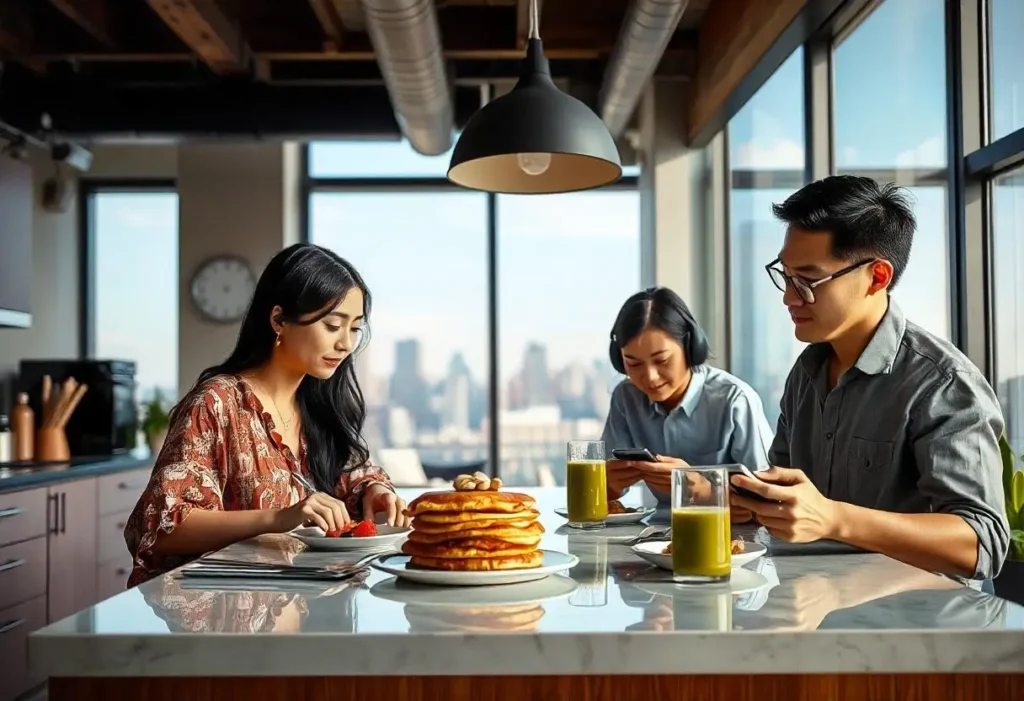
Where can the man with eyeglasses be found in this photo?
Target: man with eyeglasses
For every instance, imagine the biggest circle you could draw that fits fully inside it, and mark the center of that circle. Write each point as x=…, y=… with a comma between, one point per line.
x=888, y=436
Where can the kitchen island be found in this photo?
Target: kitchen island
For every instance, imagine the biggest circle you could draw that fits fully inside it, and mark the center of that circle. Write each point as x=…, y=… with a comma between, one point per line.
x=808, y=626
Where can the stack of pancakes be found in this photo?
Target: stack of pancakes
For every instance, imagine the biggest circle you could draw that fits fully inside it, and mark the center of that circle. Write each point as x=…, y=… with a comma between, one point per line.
x=474, y=531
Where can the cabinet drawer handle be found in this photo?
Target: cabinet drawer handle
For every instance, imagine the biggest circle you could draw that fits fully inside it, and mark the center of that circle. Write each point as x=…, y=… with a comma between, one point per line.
x=131, y=485
x=121, y=571
x=11, y=625
x=63, y=512
x=11, y=511
x=11, y=565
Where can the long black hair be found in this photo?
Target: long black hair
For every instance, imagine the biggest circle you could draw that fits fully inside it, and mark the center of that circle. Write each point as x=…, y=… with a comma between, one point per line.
x=305, y=279
x=661, y=308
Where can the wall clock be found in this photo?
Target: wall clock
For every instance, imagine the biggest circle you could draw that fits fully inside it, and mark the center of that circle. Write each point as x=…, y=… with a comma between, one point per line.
x=222, y=287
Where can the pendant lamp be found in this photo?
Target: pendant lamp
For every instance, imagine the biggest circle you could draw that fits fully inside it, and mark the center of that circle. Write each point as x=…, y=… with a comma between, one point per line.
x=535, y=139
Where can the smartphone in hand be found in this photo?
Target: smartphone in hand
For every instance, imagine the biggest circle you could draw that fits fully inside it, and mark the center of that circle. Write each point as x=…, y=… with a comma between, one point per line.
x=737, y=469
x=637, y=454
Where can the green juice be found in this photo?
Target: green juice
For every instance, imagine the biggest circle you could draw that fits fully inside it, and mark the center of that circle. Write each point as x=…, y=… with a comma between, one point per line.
x=586, y=487
x=701, y=542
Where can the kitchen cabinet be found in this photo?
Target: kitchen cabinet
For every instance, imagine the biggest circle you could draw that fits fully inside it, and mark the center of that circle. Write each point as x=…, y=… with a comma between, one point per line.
x=72, y=548
x=61, y=550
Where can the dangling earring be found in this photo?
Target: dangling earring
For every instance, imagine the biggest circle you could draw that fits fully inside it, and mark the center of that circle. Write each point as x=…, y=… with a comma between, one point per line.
x=278, y=341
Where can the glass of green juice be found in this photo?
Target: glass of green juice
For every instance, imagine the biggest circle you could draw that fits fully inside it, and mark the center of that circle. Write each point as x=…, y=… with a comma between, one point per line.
x=701, y=536
x=586, y=484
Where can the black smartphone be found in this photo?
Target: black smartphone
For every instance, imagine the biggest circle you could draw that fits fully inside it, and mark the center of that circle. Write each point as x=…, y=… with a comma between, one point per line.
x=737, y=469
x=638, y=454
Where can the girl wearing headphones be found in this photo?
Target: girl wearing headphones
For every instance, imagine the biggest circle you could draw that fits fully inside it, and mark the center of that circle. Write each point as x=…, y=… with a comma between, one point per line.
x=672, y=403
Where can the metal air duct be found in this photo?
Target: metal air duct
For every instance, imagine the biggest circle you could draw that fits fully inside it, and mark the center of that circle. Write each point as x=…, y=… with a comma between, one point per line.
x=646, y=30
x=407, y=42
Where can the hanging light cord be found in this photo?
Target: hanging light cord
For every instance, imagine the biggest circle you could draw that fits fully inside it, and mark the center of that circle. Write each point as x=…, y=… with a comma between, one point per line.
x=534, y=21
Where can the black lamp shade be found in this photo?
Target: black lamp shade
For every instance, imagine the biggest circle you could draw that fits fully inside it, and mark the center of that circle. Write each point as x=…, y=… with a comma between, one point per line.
x=573, y=148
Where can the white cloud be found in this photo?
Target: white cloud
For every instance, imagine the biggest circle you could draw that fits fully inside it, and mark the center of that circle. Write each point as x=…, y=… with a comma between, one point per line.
x=777, y=154
x=930, y=153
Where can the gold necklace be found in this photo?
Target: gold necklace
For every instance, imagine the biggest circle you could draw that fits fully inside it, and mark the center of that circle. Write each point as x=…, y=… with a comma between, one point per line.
x=286, y=423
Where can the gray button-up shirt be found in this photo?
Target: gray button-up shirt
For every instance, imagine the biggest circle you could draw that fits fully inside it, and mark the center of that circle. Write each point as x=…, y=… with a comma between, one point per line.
x=719, y=420
x=913, y=427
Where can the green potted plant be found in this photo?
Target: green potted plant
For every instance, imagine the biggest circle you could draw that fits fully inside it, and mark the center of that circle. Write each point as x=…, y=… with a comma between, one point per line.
x=155, y=423
x=1010, y=582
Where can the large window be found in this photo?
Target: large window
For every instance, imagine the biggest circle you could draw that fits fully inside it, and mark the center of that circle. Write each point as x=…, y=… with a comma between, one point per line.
x=1008, y=249
x=423, y=255
x=133, y=310
x=890, y=124
x=1007, y=90
x=565, y=264
x=766, y=162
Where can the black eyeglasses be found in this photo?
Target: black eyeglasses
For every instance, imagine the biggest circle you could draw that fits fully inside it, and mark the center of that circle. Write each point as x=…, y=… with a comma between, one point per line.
x=805, y=288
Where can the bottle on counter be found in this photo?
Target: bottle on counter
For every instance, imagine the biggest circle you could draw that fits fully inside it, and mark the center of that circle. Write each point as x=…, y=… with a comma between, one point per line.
x=6, y=448
x=23, y=423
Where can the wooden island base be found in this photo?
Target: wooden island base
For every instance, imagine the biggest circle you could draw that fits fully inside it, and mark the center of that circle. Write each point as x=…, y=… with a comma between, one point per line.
x=846, y=687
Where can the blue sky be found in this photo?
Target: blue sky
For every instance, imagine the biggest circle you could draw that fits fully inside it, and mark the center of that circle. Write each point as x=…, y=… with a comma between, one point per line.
x=567, y=262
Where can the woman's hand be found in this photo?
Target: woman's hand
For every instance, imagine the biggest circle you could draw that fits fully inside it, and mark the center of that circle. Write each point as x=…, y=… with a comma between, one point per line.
x=318, y=509
x=379, y=497
x=621, y=476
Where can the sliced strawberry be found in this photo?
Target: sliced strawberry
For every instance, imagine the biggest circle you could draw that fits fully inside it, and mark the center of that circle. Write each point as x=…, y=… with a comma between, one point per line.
x=363, y=529
x=334, y=533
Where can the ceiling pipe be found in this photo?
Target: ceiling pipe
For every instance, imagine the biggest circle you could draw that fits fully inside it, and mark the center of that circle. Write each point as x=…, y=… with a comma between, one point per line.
x=646, y=30
x=407, y=42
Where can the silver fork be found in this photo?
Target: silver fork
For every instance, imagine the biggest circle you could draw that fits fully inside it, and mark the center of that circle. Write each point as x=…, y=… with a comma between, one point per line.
x=649, y=533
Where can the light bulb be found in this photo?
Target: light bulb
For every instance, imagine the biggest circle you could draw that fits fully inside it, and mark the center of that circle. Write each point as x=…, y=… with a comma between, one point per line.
x=534, y=163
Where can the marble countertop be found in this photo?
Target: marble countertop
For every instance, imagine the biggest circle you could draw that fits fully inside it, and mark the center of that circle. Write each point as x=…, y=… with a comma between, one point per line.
x=17, y=476
x=803, y=610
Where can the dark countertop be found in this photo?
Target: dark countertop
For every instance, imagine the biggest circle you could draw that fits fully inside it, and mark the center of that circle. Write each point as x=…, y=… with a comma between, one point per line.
x=14, y=476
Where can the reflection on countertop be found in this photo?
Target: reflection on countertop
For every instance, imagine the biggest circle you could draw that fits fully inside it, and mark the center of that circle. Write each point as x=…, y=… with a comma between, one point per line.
x=806, y=613
x=14, y=476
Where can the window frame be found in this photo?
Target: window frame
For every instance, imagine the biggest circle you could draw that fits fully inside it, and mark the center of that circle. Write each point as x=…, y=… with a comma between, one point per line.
x=88, y=188
x=311, y=185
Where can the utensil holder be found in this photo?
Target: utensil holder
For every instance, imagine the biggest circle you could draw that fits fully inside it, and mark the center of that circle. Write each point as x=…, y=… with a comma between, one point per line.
x=52, y=445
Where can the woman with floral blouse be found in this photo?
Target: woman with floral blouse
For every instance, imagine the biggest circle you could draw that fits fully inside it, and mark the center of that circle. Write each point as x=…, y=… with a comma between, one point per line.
x=285, y=401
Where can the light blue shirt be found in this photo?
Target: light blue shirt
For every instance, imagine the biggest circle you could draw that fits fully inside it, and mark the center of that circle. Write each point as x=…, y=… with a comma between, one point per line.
x=720, y=420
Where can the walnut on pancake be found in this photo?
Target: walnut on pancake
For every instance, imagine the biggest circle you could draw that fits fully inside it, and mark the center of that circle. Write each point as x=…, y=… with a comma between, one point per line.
x=477, y=481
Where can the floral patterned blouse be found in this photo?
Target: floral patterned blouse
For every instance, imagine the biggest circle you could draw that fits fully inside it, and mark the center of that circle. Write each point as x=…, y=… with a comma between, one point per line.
x=222, y=452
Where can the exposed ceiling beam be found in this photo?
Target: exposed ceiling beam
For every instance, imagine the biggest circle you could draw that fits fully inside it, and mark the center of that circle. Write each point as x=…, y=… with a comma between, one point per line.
x=207, y=31
x=740, y=44
x=94, y=16
x=239, y=110
x=17, y=35
x=523, y=21
x=329, y=15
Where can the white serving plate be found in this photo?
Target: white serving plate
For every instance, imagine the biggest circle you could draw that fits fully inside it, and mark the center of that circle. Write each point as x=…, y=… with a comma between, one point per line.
x=652, y=552
x=616, y=519
x=398, y=566
x=387, y=537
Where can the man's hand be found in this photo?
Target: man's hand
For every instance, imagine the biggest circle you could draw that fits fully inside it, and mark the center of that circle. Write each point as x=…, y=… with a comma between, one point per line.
x=798, y=514
x=621, y=476
x=658, y=475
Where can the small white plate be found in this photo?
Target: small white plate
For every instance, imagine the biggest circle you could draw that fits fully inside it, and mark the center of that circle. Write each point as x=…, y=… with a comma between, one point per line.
x=616, y=519
x=398, y=566
x=387, y=537
x=555, y=586
x=652, y=552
